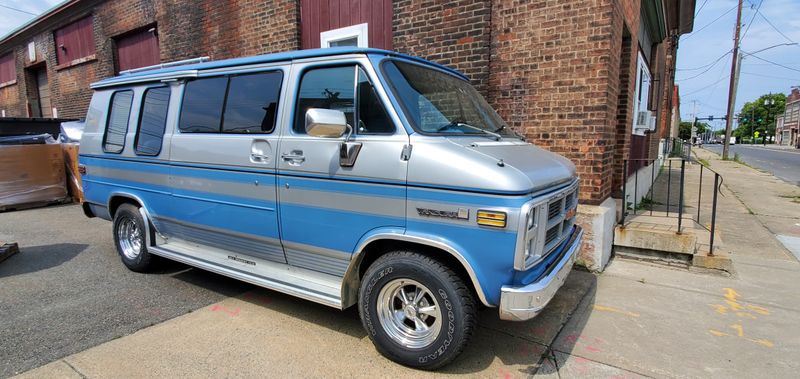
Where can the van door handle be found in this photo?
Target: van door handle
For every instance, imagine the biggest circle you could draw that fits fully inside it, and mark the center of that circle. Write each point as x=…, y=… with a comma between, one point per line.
x=296, y=156
x=259, y=157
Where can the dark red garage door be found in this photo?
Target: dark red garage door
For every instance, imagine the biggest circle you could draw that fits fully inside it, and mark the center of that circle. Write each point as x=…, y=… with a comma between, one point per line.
x=138, y=49
x=317, y=16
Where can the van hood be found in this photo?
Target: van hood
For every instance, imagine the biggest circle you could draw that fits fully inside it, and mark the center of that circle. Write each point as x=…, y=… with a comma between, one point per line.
x=505, y=166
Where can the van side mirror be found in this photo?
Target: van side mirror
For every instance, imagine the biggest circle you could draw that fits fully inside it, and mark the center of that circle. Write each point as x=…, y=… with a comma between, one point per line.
x=326, y=123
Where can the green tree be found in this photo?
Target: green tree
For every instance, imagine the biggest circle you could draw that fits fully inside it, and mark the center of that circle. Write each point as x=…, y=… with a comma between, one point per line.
x=685, y=129
x=757, y=116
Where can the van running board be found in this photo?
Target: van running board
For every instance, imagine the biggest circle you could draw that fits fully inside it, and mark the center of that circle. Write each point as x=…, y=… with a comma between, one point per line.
x=310, y=285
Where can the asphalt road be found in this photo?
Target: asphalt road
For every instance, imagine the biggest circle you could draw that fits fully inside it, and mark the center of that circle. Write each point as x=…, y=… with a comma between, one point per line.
x=784, y=164
x=66, y=290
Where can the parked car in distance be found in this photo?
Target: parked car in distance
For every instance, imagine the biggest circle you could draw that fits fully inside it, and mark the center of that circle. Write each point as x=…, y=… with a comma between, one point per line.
x=348, y=177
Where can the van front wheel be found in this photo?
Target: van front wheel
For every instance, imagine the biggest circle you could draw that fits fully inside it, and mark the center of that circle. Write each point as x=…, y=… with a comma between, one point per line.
x=416, y=311
x=129, y=238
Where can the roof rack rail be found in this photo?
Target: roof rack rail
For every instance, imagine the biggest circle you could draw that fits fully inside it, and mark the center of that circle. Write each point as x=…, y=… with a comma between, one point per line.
x=164, y=65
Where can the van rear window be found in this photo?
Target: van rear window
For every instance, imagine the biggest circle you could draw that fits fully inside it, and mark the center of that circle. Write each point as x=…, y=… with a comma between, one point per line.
x=152, y=121
x=117, y=124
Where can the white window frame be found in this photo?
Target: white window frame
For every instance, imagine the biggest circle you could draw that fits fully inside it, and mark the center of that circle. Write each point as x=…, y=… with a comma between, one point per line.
x=359, y=31
x=641, y=101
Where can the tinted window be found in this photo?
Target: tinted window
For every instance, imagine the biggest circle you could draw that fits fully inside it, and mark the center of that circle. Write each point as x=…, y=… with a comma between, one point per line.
x=201, y=111
x=152, y=121
x=328, y=88
x=372, y=117
x=252, y=103
x=117, y=126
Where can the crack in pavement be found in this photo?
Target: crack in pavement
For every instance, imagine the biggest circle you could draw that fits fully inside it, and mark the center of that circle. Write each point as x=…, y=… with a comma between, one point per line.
x=74, y=369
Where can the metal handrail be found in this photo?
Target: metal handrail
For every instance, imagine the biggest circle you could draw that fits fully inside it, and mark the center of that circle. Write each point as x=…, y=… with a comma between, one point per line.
x=650, y=193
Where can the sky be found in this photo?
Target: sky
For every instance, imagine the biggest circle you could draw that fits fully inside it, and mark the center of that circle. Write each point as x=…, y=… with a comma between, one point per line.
x=10, y=19
x=702, y=80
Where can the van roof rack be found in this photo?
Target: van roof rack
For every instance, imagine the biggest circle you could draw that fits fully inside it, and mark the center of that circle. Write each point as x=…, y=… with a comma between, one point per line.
x=163, y=65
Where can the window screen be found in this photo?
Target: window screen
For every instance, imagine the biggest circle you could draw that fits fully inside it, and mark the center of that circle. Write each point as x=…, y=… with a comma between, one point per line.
x=201, y=111
x=152, y=121
x=117, y=125
x=327, y=88
x=252, y=103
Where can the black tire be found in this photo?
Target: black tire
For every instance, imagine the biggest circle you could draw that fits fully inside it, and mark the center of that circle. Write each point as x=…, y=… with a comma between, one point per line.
x=447, y=290
x=143, y=261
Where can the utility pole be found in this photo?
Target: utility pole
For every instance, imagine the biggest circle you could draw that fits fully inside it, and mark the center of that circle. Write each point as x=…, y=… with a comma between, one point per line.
x=734, y=79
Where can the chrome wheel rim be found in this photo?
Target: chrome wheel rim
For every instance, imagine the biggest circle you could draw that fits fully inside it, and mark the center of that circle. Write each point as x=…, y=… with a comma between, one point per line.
x=409, y=314
x=129, y=237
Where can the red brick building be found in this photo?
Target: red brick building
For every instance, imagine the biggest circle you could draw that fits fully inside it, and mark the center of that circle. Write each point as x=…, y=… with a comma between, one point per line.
x=787, y=131
x=589, y=79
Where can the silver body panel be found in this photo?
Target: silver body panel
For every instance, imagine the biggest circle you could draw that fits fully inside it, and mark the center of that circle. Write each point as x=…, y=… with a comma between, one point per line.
x=256, y=206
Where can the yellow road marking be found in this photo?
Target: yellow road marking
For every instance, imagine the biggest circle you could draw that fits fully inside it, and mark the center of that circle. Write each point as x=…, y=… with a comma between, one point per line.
x=717, y=333
x=759, y=310
x=615, y=310
x=739, y=329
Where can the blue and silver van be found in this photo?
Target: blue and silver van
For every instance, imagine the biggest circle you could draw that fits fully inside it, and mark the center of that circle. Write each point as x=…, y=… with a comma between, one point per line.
x=341, y=176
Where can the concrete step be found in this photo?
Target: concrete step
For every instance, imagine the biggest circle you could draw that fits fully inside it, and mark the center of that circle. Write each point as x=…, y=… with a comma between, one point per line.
x=656, y=239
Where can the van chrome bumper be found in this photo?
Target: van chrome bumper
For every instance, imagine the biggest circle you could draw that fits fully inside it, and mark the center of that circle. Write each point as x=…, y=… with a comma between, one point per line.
x=526, y=302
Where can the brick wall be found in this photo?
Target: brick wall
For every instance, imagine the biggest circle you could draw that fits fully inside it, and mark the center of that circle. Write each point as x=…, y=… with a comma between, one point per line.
x=453, y=33
x=219, y=29
x=554, y=79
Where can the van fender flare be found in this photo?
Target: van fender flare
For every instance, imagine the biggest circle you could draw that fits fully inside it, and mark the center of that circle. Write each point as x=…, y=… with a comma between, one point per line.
x=149, y=228
x=351, y=281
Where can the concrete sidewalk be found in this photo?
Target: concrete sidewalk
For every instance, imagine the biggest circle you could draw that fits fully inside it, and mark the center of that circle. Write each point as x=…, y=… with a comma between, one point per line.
x=634, y=320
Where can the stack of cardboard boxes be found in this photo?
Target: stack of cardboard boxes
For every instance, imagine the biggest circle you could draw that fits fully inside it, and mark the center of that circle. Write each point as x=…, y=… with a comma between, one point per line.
x=38, y=174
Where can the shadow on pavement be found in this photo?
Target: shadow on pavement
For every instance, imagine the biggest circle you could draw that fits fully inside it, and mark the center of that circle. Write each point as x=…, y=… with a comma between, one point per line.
x=522, y=347
x=36, y=258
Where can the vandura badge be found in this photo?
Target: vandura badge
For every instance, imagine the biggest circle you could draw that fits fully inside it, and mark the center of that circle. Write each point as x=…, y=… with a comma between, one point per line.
x=460, y=214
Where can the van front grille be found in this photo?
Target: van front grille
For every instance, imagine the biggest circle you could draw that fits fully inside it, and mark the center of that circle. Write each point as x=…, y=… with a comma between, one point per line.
x=554, y=209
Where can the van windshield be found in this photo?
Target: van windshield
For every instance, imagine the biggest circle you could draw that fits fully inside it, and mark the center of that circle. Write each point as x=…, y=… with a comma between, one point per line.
x=439, y=103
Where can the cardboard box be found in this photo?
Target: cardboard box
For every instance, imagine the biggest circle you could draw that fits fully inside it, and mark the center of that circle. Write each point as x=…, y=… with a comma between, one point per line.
x=31, y=174
x=73, y=176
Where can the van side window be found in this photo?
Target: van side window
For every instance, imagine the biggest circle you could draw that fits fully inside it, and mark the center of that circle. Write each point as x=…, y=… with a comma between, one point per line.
x=152, y=121
x=117, y=123
x=372, y=116
x=328, y=88
x=252, y=103
x=201, y=111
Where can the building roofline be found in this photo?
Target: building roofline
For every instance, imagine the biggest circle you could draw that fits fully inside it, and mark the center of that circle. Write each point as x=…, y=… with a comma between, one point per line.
x=191, y=70
x=45, y=20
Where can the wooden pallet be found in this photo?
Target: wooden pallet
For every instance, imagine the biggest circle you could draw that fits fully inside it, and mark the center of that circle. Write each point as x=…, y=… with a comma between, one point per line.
x=34, y=204
x=8, y=250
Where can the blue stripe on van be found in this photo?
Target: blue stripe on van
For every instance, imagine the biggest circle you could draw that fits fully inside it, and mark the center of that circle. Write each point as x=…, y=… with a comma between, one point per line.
x=330, y=228
x=348, y=187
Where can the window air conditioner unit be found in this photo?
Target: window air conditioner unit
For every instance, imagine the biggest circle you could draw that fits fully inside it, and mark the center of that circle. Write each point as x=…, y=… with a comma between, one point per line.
x=642, y=120
x=651, y=123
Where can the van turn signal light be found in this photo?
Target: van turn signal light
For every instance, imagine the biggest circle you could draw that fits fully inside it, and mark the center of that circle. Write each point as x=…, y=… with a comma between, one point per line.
x=492, y=218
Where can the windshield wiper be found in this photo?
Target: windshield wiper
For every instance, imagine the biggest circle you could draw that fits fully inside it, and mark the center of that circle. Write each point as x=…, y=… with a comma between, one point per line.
x=503, y=127
x=484, y=132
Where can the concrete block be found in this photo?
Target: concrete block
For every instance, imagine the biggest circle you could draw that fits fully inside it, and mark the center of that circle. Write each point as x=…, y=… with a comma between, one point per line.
x=598, y=223
x=659, y=239
x=719, y=261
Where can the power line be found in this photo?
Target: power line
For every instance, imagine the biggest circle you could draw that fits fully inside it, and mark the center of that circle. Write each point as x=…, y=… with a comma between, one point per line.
x=706, y=70
x=770, y=76
x=751, y=21
x=709, y=24
x=706, y=87
x=705, y=65
x=18, y=10
x=774, y=63
x=700, y=9
x=776, y=29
